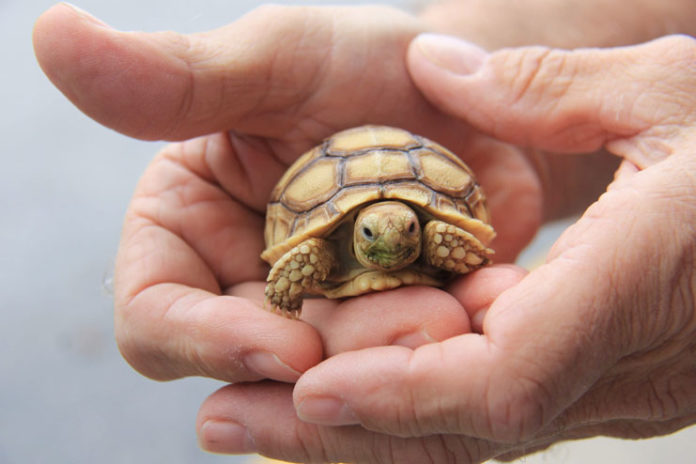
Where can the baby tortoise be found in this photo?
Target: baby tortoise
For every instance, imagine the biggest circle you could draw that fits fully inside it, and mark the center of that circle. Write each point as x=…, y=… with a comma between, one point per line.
x=372, y=208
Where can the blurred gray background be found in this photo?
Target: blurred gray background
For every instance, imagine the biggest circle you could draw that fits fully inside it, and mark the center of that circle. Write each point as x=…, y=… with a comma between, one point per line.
x=66, y=396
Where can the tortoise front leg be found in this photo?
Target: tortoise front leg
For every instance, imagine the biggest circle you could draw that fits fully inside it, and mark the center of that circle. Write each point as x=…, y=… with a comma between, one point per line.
x=298, y=272
x=452, y=248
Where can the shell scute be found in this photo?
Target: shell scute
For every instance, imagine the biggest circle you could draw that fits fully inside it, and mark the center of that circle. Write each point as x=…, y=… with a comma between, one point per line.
x=413, y=192
x=349, y=142
x=362, y=165
x=377, y=166
x=443, y=174
x=311, y=186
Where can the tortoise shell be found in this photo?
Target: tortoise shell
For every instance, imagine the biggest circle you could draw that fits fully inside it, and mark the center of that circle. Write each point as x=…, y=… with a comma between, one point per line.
x=356, y=167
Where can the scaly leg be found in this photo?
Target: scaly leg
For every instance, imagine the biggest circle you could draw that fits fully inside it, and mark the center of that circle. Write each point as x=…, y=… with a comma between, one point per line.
x=298, y=272
x=451, y=248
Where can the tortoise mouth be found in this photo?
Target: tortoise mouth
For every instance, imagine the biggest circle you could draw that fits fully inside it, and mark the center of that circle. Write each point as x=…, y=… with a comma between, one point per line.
x=388, y=261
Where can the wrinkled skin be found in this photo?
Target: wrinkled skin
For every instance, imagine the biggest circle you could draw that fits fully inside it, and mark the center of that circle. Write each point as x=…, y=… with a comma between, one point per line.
x=599, y=340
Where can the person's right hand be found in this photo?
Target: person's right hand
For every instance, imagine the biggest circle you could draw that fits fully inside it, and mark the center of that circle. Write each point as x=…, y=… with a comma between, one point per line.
x=188, y=280
x=599, y=340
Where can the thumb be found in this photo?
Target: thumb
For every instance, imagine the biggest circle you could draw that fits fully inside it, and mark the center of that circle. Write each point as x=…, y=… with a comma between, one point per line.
x=172, y=86
x=563, y=101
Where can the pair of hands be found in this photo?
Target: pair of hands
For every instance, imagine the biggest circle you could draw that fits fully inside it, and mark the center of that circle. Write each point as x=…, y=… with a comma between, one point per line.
x=599, y=340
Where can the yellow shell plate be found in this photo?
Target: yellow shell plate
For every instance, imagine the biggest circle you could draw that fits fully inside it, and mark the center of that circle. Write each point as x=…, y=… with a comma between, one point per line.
x=365, y=164
x=347, y=142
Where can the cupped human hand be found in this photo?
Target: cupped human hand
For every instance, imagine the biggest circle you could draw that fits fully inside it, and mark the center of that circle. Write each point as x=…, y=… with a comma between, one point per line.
x=246, y=100
x=599, y=340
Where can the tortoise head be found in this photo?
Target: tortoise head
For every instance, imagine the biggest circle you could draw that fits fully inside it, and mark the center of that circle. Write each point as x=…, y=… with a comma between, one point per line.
x=387, y=236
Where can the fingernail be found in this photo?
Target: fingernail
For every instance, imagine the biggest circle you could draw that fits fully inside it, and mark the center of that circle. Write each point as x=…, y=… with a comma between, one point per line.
x=326, y=411
x=414, y=339
x=453, y=54
x=225, y=436
x=269, y=365
x=86, y=15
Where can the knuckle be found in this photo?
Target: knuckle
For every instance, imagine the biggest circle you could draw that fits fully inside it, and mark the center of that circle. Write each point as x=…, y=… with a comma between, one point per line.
x=402, y=419
x=144, y=358
x=132, y=350
x=410, y=408
x=147, y=343
x=419, y=414
x=315, y=444
x=122, y=331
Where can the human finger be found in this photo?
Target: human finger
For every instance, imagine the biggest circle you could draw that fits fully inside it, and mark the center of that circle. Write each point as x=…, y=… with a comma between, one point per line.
x=477, y=291
x=275, y=72
x=407, y=316
x=172, y=330
x=161, y=85
x=568, y=101
x=185, y=240
x=260, y=418
x=176, y=323
x=237, y=419
x=545, y=341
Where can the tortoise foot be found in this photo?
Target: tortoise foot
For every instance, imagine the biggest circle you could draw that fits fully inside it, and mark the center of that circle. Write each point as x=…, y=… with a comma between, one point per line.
x=296, y=273
x=451, y=248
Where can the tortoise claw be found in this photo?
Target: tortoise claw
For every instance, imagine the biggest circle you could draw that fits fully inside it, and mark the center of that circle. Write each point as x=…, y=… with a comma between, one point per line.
x=292, y=314
x=297, y=272
x=449, y=247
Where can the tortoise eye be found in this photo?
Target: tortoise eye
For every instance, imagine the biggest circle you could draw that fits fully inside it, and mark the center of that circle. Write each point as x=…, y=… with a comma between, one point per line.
x=367, y=233
x=412, y=227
